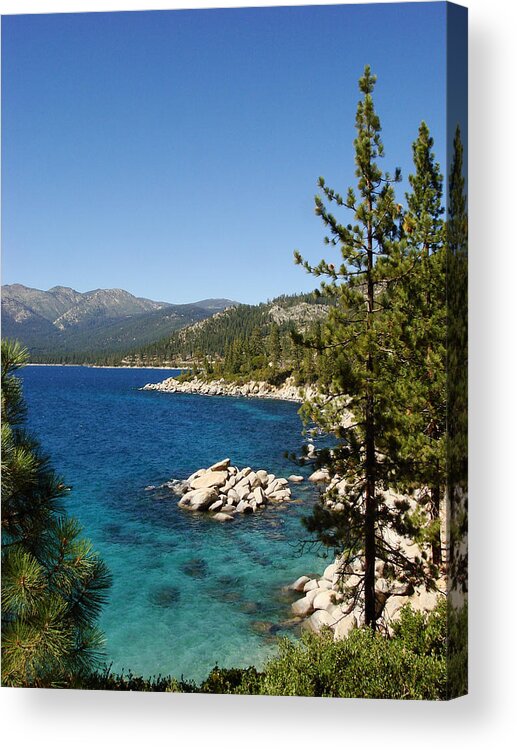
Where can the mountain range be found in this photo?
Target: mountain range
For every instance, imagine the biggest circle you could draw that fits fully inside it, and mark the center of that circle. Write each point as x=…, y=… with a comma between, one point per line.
x=61, y=321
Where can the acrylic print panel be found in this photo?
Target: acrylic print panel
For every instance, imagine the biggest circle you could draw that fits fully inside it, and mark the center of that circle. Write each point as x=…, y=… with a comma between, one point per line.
x=249, y=380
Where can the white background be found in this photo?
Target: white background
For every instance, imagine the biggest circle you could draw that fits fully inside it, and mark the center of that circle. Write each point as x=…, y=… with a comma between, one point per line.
x=55, y=719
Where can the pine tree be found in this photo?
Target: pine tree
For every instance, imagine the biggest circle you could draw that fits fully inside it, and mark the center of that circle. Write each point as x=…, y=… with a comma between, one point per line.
x=457, y=391
x=421, y=367
x=360, y=336
x=53, y=583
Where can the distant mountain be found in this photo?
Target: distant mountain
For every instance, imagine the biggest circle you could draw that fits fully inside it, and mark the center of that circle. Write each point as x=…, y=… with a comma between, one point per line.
x=62, y=324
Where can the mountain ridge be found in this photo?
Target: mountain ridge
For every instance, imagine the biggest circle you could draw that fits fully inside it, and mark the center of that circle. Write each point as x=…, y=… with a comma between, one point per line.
x=61, y=321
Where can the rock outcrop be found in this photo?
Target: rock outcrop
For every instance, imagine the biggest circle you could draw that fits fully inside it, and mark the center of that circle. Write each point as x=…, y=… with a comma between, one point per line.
x=225, y=491
x=289, y=391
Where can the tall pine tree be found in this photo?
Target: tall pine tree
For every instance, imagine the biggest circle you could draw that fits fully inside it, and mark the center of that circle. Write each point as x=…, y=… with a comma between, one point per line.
x=361, y=338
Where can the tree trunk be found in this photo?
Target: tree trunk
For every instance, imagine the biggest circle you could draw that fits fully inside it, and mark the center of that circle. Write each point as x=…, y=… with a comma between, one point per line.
x=370, y=500
x=369, y=520
x=435, y=516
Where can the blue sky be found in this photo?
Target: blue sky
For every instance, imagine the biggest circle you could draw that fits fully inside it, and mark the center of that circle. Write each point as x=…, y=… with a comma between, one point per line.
x=176, y=154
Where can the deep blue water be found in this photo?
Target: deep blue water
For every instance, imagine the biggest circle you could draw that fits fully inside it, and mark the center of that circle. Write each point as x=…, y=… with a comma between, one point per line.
x=187, y=592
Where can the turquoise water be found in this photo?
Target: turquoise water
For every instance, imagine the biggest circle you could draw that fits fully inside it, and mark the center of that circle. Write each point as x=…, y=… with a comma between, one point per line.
x=187, y=592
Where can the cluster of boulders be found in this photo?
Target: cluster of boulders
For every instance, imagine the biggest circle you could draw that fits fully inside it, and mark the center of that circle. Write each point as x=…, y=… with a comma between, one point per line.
x=224, y=490
x=254, y=388
x=332, y=599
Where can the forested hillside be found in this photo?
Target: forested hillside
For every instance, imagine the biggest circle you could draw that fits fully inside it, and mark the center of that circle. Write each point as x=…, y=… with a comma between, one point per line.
x=246, y=340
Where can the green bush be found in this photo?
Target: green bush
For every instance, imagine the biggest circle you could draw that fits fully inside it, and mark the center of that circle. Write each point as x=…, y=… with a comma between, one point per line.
x=410, y=665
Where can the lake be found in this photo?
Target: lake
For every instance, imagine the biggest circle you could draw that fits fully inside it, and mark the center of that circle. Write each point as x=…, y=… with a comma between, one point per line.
x=187, y=592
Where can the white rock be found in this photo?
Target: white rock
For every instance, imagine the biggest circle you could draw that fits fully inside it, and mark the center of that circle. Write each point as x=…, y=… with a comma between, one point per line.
x=253, y=479
x=222, y=517
x=220, y=465
x=330, y=571
x=317, y=620
x=279, y=496
x=323, y=599
x=344, y=625
x=233, y=496
x=210, y=479
x=242, y=489
x=195, y=475
x=295, y=478
x=321, y=475
x=393, y=606
x=324, y=585
x=202, y=499
x=259, y=496
x=216, y=506
x=302, y=607
x=310, y=585
x=263, y=476
x=299, y=584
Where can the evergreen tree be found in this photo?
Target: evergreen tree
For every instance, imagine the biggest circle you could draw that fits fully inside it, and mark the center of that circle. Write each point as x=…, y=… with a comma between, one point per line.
x=361, y=336
x=457, y=391
x=420, y=440
x=53, y=583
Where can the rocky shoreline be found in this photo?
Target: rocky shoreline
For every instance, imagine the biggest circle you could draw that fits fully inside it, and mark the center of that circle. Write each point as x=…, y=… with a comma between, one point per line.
x=252, y=389
x=335, y=599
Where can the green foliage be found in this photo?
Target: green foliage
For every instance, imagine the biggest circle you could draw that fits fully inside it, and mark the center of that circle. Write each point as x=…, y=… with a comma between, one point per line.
x=361, y=349
x=411, y=665
x=53, y=583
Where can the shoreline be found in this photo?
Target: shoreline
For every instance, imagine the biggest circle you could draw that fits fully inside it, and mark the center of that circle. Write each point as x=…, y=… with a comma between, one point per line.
x=105, y=367
x=252, y=389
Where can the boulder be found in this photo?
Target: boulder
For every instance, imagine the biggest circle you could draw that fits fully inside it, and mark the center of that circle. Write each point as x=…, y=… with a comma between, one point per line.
x=259, y=496
x=202, y=499
x=229, y=484
x=233, y=497
x=324, y=585
x=195, y=475
x=279, y=496
x=425, y=601
x=393, y=606
x=321, y=475
x=210, y=479
x=339, y=507
x=317, y=620
x=253, y=480
x=302, y=607
x=222, y=517
x=310, y=585
x=228, y=509
x=263, y=477
x=344, y=626
x=300, y=583
x=220, y=465
x=242, y=490
x=323, y=599
x=244, y=507
x=216, y=506
x=271, y=487
x=330, y=572
x=296, y=478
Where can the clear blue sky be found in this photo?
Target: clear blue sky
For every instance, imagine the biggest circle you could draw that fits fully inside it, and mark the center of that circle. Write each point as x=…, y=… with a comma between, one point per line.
x=175, y=154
